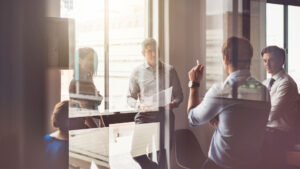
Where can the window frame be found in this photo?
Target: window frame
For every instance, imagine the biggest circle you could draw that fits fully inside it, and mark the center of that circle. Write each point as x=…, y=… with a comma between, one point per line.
x=286, y=4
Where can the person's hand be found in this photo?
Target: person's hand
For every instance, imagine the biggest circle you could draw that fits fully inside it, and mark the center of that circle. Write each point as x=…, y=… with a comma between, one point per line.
x=214, y=122
x=170, y=105
x=196, y=73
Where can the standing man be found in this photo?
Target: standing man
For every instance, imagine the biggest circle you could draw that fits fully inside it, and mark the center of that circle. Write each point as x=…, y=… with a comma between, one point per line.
x=148, y=79
x=238, y=107
x=284, y=93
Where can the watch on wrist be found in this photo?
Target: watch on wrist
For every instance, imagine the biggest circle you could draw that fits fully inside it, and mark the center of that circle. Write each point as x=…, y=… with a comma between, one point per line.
x=193, y=84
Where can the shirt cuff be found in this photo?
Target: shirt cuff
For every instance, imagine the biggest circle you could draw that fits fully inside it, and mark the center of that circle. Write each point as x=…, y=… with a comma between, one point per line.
x=190, y=119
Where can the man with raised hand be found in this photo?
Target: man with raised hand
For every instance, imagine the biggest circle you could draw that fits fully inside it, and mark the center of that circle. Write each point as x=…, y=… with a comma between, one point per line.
x=238, y=107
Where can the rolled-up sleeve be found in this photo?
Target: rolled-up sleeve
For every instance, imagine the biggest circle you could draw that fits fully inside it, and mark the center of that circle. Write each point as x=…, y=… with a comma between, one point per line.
x=133, y=91
x=209, y=108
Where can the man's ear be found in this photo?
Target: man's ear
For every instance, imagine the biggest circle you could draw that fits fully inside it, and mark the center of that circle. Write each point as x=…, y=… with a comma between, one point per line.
x=225, y=60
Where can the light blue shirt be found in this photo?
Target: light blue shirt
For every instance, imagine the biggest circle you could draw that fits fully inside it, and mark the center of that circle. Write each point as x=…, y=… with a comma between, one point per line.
x=242, y=117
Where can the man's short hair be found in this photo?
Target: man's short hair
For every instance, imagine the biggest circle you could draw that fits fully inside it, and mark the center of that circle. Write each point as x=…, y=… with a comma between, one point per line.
x=238, y=52
x=148, y=41
x=60, y=116
x=276, y=51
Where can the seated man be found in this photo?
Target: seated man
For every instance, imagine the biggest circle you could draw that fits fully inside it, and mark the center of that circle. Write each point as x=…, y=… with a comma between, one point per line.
x=241, y=105
x=147, y=80
x=284, y=93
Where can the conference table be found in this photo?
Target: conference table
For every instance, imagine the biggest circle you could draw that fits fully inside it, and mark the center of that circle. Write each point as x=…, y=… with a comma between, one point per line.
x=113, y=146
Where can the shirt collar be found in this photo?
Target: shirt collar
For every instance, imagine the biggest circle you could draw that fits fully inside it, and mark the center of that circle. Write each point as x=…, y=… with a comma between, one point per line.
x=148, y=66
x=237, y=76
x=278, y=75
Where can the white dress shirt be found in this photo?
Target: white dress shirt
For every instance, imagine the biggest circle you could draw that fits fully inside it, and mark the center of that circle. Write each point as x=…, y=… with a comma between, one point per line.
x=145, y=81
x=284, y=93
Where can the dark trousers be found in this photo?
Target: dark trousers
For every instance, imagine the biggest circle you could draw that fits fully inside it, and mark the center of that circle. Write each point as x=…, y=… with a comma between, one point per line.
x=275, y=145
x=209, y=164
x=159, y=116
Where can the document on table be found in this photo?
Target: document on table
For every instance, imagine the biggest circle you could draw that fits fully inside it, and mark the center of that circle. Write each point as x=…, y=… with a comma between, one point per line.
x=115, y=146
x=160, y=99
x=90, y=144
x=145, y=139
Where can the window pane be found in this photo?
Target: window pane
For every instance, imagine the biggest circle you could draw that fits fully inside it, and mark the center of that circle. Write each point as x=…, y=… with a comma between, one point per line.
x=214, y=39
x=126, y=32
x=294, y=43
x=274, y=24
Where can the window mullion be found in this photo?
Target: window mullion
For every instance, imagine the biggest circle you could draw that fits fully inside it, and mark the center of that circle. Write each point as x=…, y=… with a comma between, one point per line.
x=285, y=34
x=106, y=55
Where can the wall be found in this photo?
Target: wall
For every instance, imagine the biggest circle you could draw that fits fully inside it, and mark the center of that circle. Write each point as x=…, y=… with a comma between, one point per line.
x=187, y=44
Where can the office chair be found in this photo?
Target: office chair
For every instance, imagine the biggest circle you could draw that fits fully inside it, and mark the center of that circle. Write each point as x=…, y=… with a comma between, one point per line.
x=188, y=152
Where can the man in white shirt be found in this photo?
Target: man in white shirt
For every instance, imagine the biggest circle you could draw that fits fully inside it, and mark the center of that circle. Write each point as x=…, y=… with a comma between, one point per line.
x=147, y=79
x=284, y=92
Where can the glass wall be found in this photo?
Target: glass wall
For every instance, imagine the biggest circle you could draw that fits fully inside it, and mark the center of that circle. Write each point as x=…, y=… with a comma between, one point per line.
x=126, y=30
x=108, y=43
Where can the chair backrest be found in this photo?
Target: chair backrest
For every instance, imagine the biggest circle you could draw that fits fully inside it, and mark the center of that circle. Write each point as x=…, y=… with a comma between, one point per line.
x=188, y=152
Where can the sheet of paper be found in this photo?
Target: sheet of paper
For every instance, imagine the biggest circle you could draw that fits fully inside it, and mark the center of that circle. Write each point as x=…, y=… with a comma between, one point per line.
x=160, y=99
x=145, y=139
x=92, y=143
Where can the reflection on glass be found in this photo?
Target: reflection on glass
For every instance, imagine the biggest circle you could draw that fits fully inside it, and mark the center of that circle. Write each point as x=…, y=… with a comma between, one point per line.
x=294, y=43
x=89, y=32
x=83, y=92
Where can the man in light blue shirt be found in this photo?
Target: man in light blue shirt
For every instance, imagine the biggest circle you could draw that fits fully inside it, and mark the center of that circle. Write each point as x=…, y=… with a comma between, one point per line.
x=238, y=108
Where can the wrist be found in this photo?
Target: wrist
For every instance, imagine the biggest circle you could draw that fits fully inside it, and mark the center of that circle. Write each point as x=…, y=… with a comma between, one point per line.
x=193, y=84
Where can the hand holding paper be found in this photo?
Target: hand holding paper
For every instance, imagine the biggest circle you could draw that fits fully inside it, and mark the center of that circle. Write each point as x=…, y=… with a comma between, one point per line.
x=160, y=99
